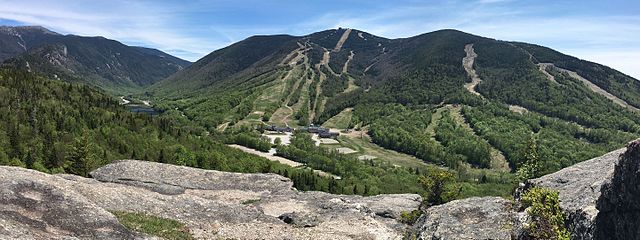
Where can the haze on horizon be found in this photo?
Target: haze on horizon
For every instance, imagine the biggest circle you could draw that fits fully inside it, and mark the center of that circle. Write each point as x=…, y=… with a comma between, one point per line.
x=606, y=32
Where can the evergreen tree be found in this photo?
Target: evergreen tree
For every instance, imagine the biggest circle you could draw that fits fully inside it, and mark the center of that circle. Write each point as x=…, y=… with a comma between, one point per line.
x=161, y=157
x=81, y=159
x=531, y=167
x=29, y=160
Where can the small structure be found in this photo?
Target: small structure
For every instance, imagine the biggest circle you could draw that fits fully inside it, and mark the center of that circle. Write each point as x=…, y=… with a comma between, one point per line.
x=278, y=129
x=328, y=134
x=366, y=157
x=314, y=129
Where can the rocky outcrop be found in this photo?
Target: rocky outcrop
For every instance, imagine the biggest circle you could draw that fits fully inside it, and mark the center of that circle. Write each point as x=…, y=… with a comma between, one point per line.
x=619, y=203
x=212, y=205
x=471, y=218
x=580, y=187
x=35, y=205
x=600, y=197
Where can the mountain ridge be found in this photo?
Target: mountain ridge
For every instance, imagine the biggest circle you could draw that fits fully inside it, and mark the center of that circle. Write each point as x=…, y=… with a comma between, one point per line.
x=97, y=61
x=298, y=80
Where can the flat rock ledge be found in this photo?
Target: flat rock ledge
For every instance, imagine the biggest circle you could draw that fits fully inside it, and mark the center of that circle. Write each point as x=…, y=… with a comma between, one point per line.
x=212, y=205
x=600, y=197
x=471, y=218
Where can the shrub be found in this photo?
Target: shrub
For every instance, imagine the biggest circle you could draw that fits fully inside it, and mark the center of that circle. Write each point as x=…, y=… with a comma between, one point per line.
x=440, y=186
x=410, y=217
x=547, y=219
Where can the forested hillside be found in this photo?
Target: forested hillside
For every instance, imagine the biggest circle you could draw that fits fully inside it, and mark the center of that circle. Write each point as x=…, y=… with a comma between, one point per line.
x=57, y=127
x=415, y=96
x=96, y=61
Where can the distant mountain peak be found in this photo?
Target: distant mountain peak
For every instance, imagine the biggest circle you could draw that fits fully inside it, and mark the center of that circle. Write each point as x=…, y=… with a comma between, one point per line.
x=18, y=29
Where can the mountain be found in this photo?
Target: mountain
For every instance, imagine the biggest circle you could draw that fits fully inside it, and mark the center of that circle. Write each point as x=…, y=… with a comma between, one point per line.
x=238, y=61
x=446, y=97
x=101, y=62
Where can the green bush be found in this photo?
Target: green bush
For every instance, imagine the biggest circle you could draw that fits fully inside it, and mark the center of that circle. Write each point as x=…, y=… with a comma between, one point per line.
x=440, y=186
x=547, y=219
x=410, y=217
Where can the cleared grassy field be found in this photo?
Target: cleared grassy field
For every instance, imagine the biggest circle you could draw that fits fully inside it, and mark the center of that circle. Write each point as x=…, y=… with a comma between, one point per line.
x=282, y=116
x=364, y=146
x=340, y=121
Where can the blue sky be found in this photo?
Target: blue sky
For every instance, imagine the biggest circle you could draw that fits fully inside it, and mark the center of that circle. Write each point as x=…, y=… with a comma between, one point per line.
x=607, y=32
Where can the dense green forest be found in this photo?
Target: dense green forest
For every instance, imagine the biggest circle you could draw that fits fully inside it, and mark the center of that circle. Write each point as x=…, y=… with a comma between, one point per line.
x=561, y=143
x=57, y=127
x=114, y=67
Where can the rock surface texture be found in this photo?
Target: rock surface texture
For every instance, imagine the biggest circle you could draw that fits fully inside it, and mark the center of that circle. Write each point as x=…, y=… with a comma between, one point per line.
x=600, y=197
x=619, y=205
x=580, y=187
x=471, y=218
x=212, y=204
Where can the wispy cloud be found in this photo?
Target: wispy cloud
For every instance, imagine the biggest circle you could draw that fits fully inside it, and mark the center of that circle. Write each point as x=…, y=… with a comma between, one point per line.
x=131, y=23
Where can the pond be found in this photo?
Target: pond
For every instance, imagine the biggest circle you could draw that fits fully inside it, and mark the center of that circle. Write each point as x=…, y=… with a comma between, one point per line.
x=142, y=109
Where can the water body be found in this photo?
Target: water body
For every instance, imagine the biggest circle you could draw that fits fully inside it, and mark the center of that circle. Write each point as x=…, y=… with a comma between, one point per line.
x=142, y=109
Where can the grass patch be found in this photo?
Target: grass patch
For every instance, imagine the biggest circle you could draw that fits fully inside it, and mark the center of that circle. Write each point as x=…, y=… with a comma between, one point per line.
x=152, y=225
x=250, y=201
x=410, y=217
x=366, y=147
x=341, y=120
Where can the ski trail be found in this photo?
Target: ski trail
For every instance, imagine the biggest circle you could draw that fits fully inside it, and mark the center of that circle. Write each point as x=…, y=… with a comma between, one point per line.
x=543, y=69
x=597, y=89
x=343, y=39
x=321, y=76
x=346, y=64
x=467, y=63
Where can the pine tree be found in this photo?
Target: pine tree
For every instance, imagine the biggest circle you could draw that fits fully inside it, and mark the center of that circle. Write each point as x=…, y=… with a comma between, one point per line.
x=161, y=157
x=531, y=167
x=29, y=160
x=439, y=185
x=81, y=157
